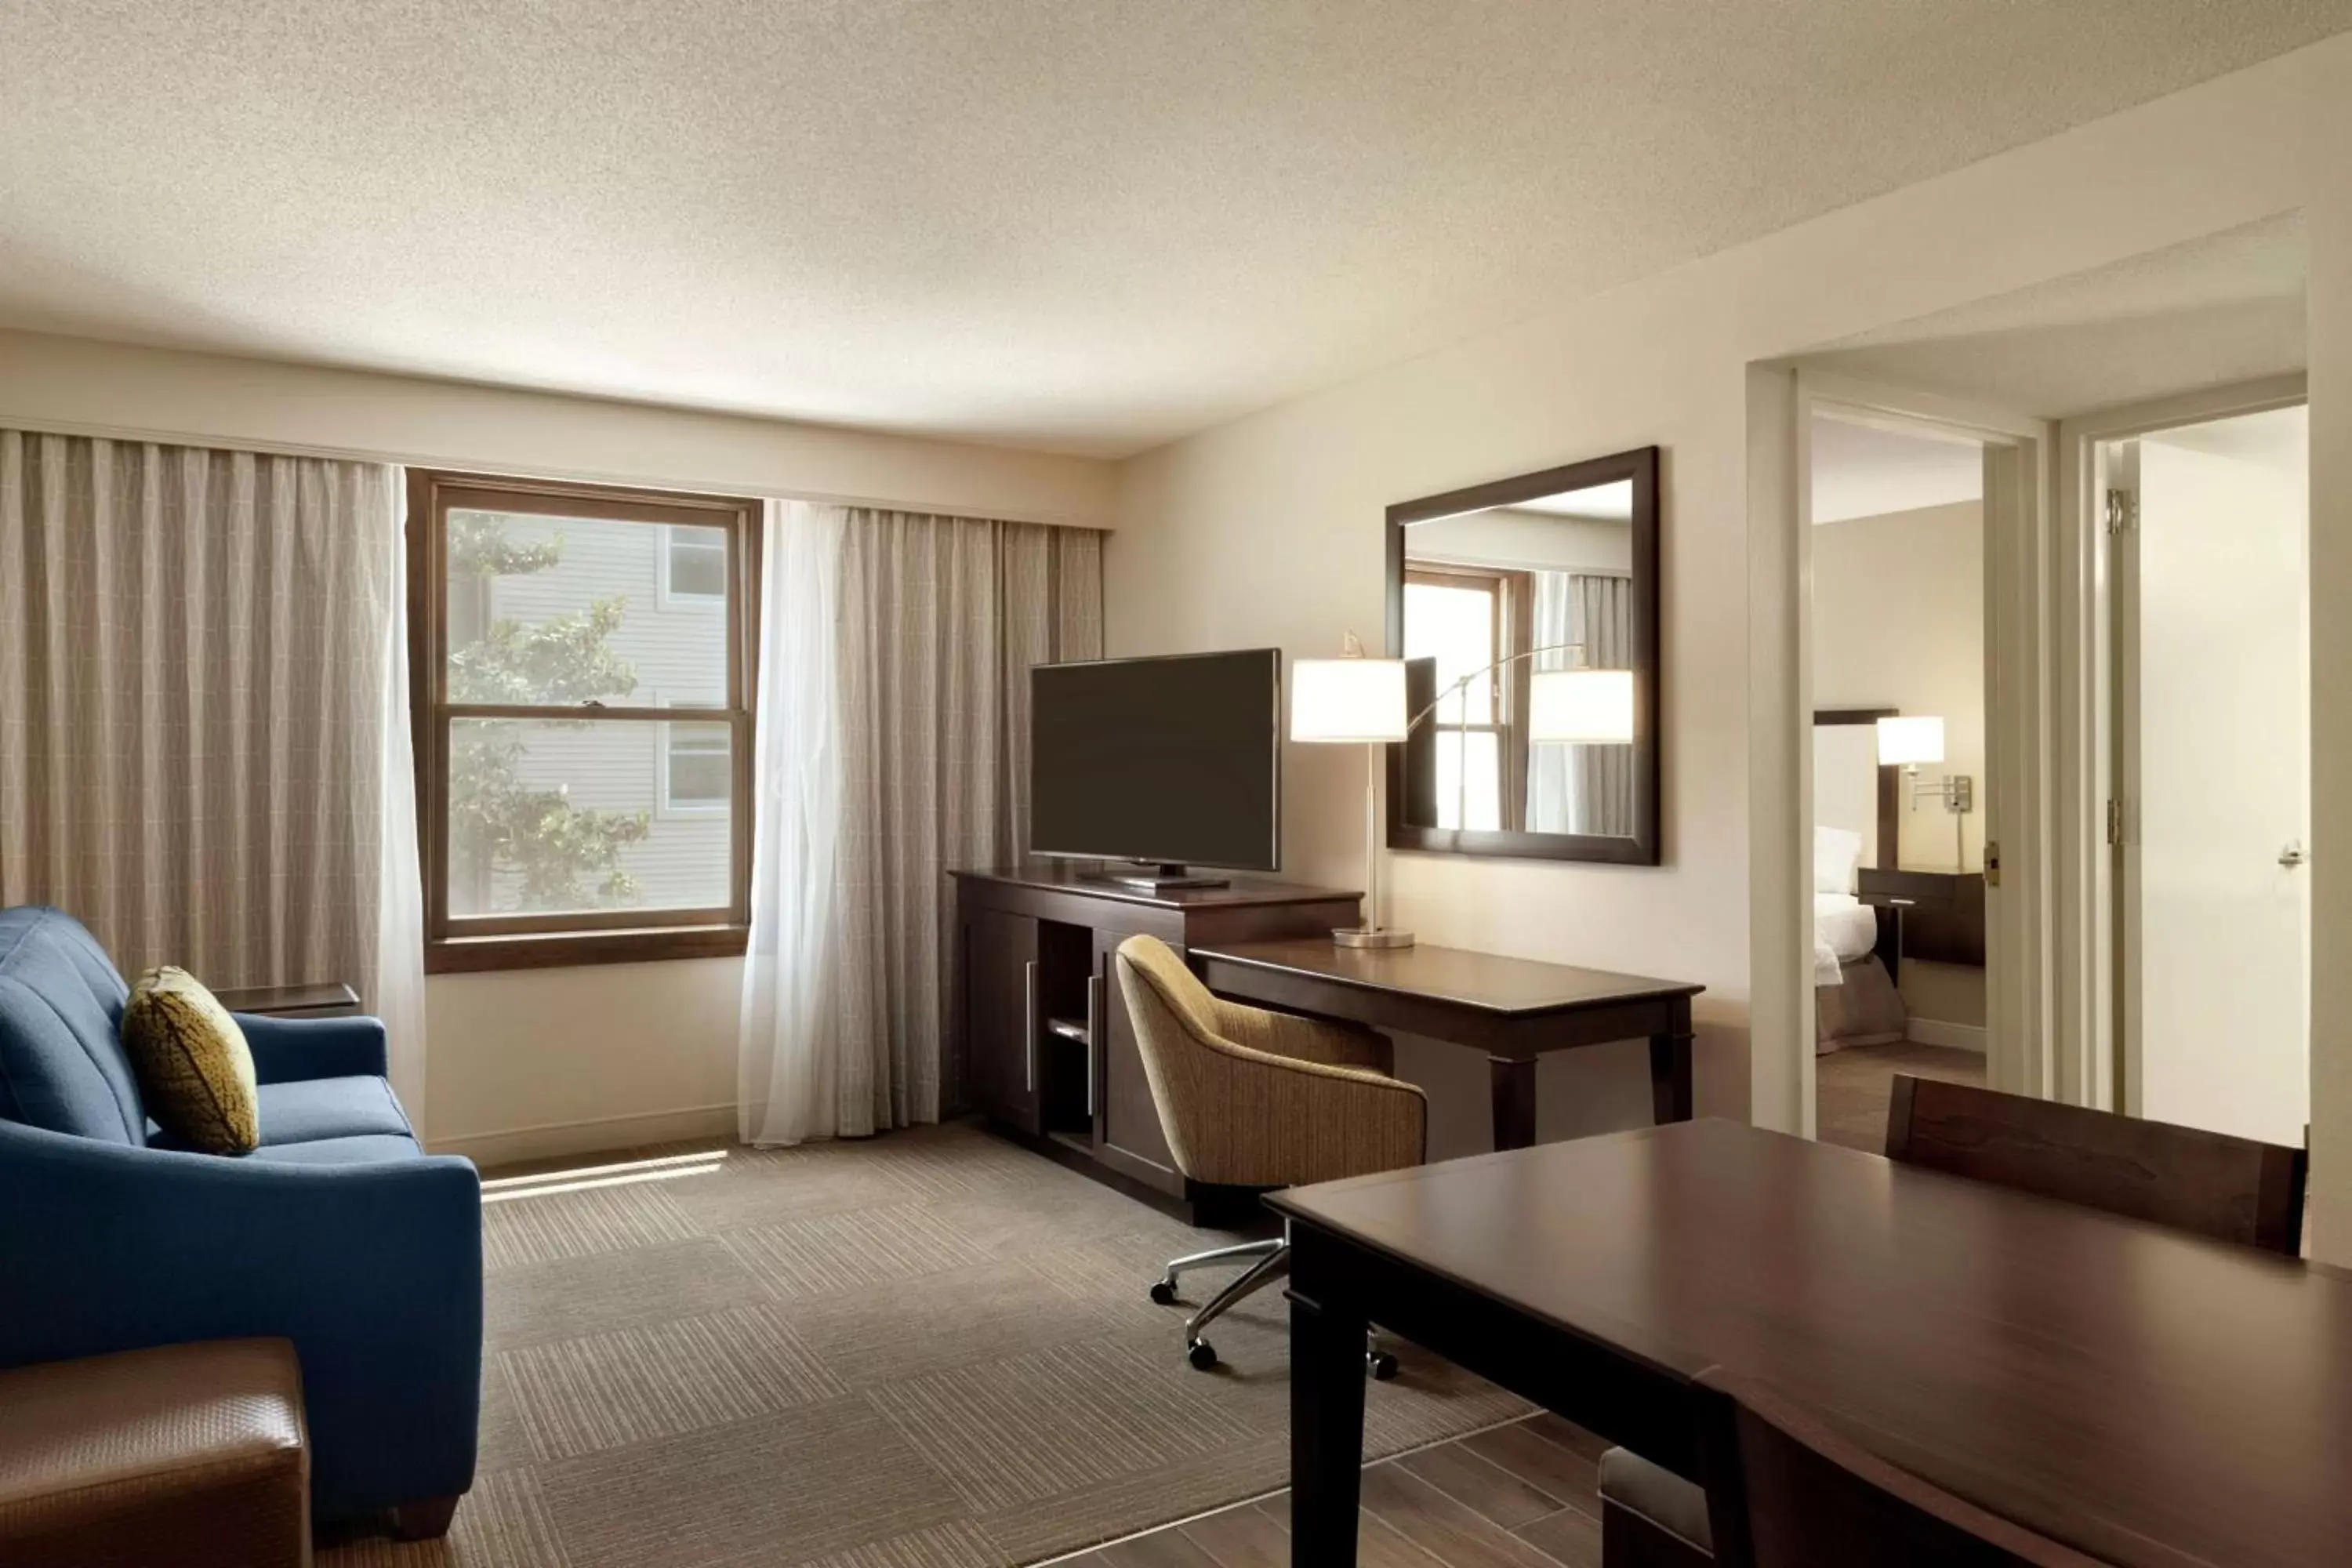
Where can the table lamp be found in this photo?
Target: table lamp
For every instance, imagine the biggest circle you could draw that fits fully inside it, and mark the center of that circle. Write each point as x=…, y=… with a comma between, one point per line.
x=1355, y=699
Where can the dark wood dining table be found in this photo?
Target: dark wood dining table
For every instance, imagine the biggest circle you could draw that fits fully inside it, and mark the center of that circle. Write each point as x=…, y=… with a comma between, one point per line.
x=2147, y=1397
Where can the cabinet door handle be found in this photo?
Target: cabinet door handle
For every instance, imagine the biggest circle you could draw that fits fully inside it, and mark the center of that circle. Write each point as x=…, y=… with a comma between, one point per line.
x=1093, y=1034
x=1029, y=1023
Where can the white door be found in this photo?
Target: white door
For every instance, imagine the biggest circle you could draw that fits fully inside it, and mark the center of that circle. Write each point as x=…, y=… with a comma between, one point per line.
x=2214, y=660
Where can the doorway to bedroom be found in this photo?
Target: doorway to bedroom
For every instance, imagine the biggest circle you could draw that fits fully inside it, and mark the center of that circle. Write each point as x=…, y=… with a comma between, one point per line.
x=1900, y=745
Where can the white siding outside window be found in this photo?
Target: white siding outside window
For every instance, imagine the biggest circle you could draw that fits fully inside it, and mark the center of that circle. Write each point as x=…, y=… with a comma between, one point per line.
x=667, y=639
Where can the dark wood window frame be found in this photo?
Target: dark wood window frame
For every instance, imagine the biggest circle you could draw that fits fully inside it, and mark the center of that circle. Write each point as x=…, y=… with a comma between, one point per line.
x=601, y=936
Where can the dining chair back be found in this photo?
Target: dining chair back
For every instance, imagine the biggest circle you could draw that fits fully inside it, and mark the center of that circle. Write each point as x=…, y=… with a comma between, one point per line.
x=2217, y=1185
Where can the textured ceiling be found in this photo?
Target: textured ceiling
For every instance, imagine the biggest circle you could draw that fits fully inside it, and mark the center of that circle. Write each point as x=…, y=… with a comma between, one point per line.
x=1089, y=226
x=2224, y=309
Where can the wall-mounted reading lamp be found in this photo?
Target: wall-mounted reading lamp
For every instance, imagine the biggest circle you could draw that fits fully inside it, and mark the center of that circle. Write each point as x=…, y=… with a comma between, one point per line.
x=1908, y=741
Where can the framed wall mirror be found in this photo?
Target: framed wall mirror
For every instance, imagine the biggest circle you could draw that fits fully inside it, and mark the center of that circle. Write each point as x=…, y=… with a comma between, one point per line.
x=1527, y=612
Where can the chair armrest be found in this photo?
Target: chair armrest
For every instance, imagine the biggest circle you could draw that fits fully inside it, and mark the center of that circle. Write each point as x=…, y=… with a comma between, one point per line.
x=374, y=1271
x=1270, y=1120
x=1304, y=1039
x=287, y=1050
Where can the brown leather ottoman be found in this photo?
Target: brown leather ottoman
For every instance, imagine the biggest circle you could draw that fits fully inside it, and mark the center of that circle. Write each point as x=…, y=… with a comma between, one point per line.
x=189, y=1454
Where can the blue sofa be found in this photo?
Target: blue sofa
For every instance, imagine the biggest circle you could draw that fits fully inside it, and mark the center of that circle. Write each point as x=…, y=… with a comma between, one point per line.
x=338, y=1232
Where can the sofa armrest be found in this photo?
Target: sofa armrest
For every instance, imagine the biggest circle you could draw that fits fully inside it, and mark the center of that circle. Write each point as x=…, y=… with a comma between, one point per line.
x=287, y=1050
x=374, y=1271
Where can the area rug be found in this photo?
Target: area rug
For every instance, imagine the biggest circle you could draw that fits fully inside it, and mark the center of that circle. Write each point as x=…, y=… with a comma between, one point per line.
x=927, y=1349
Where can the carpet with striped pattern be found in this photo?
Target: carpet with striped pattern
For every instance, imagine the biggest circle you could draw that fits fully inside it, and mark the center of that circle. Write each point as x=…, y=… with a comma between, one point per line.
x=927, y=1349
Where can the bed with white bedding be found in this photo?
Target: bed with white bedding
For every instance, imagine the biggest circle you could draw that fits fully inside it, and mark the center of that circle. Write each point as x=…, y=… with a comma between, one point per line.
x=1845, y=930
x=1854, y=999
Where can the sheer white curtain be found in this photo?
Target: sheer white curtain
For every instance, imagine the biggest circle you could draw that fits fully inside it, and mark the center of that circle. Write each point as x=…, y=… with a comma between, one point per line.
x=1551, y=781
x=1602, y=792
x=893, y=661
x=1579, y=788
x=204, y=740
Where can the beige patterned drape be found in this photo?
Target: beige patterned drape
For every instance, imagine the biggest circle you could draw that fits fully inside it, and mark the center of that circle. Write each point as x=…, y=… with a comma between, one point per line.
x=894, y=748
x=192, y=666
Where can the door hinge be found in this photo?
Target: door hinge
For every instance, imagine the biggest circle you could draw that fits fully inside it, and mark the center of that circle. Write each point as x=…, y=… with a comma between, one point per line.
x=2115, y=822
x=2123, y=510
x=1992, y=863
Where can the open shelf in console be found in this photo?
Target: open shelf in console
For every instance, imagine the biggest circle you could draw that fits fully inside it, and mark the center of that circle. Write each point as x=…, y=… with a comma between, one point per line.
x=1066, y=1065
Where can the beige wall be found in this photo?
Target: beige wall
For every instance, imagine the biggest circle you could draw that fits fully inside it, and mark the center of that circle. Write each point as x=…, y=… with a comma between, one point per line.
x=539, y=1061
x=1269, y=530
x=545, y=1061
x=73, y=385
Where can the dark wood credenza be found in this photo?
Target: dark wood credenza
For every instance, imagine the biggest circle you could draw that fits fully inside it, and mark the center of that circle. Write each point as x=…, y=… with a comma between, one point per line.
x=1034, y=1005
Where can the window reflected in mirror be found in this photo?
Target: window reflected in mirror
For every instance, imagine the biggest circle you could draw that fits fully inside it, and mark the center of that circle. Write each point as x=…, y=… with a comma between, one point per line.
x=1495, y=601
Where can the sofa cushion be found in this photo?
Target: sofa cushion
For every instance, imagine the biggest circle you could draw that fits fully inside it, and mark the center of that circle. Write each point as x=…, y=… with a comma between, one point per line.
x=195, y=1072
x=339, y=1150
x=62, y=1066
x=305, y=1111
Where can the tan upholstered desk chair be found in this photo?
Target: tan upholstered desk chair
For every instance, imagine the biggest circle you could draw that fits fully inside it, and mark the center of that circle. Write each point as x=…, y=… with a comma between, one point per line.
x=1253, y=1098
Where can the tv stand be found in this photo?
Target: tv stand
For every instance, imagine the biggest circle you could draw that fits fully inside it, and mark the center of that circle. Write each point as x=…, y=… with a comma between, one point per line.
x=1142, y=877
x=1041, y=1031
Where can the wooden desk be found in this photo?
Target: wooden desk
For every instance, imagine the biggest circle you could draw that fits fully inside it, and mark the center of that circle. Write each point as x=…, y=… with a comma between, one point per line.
x=2147, y=1397
x=1513, y=1009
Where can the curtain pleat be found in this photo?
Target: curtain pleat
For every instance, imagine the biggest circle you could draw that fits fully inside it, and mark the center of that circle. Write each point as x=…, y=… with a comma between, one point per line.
x=192, y=651
x=894, y=691
x=1603, y=793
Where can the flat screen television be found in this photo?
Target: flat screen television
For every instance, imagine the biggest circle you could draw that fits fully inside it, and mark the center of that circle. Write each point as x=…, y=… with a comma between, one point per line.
x=1173, y=762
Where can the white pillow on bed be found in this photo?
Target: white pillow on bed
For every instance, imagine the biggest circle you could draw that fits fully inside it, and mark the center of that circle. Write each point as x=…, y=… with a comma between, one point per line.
x=1836, y=852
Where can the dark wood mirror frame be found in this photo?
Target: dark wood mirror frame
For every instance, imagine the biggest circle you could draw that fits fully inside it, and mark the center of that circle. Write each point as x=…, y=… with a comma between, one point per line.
x=1643, y=846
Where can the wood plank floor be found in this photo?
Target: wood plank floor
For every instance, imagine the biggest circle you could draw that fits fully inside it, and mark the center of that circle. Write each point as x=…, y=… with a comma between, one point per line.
x=1852, y=1087
x=1522, y=1495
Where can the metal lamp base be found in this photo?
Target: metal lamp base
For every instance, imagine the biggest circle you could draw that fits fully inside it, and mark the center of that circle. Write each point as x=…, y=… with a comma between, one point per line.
x=1378, y=936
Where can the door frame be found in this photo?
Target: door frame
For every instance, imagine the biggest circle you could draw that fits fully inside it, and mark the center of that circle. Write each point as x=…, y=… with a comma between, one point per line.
x=2018, y=596
x=2091, y=724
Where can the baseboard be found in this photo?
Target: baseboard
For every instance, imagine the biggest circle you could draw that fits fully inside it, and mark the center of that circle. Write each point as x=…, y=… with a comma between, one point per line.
x=555, y=1140
x=1935, y=1031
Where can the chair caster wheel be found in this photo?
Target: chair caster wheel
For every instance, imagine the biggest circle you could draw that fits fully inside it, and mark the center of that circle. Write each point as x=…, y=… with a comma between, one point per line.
x=1381, y=1365
x=1201, y=1354
x=1164, y=1292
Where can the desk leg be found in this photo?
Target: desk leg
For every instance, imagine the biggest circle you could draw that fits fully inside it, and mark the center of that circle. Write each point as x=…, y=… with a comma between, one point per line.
x=1512, y=1081
x=1670, y=1069
x=1327, y=1434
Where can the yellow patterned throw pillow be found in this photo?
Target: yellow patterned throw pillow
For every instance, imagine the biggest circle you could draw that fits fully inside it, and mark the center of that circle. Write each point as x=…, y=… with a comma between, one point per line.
x=193, y=1067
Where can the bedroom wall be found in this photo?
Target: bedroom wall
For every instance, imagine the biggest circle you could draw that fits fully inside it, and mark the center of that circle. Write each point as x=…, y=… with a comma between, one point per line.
x=539, y=1061
x=1269, y=530
x=1898, y=622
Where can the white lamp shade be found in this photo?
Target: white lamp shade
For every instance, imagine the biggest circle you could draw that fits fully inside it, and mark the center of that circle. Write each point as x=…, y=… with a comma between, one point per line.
x=1595, y=705
x=1907, y=740
x=1360, y=700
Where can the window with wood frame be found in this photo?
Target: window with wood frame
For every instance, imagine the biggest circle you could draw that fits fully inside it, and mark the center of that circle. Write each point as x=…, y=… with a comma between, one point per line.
x=568, y=810
x=1466, y=617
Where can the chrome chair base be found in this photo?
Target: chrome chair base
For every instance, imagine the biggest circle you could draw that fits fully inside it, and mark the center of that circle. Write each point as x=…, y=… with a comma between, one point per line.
x=1268, y=1262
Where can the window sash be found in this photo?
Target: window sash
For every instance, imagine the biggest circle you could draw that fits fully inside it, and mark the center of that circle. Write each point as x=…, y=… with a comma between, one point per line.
x=714, y=929
x=676, y=541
